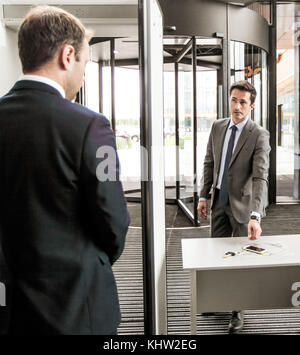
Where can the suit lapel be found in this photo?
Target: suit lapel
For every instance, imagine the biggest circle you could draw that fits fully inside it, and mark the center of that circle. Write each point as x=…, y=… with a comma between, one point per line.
x=242, y=140
x=220, y=142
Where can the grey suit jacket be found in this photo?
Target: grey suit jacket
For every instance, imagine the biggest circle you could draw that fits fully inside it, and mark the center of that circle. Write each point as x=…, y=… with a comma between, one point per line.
x=247, y=171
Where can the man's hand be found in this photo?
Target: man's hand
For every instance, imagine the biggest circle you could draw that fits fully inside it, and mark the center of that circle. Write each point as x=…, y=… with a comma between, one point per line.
x=202, y=209
x=254, y=229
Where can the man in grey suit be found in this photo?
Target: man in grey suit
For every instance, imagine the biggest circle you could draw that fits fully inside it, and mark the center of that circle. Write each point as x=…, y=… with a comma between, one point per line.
x=236, y=174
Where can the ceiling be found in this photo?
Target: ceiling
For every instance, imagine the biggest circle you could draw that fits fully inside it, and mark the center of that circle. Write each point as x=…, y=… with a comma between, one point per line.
x=105, y=20
x=69, y=2
x=209, y=52
x=238, y=2
x=119, y=22
x=100, y=2
x=125, y=48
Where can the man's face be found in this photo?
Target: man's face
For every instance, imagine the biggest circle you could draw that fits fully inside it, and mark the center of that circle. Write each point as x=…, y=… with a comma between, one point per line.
x=240, y=105
x=76, y=75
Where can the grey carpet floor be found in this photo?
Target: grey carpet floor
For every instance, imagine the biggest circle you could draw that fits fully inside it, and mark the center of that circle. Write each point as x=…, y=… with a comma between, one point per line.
x=281, y=219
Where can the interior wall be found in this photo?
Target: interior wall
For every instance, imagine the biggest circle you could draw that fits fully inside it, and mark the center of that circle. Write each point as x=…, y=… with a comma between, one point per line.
x=248, y=26
x=205, y=18
x=194, y=17
x=10, y=66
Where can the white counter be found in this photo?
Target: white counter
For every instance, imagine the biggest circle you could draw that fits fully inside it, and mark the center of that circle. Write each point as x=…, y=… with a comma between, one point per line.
x=207, y=253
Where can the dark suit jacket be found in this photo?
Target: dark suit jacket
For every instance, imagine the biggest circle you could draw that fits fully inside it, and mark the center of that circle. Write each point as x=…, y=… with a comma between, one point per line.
x=247, y=172
x=62, y=227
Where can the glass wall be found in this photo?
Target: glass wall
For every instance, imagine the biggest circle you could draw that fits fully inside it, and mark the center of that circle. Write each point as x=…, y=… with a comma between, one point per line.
x=126, y=109
x=92, y=85
x=127, y=98
x=184, y=159
x=169, y=130
x=288, y=30
x=206, y=112
x=248, y=62
x=186, y=127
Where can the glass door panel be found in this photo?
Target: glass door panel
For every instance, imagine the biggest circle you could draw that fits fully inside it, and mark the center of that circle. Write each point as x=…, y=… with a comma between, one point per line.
x=128, y=126
x=206, y=112
x=257, y=82
x=287, y=97
x=190, y=97
x=169, y=130
x=123, y=107
x=185, y=104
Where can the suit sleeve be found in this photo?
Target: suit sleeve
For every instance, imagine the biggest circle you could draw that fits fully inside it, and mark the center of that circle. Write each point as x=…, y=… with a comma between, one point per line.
x=260, y=173
x=104, y=202
x=208, y=169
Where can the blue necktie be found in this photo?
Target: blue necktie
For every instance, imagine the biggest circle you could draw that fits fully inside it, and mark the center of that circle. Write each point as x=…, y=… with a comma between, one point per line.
x=223, y=197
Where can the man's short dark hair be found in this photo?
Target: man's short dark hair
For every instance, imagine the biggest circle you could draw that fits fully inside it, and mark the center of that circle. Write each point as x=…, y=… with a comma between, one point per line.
x=244, y=85
x=43, y=32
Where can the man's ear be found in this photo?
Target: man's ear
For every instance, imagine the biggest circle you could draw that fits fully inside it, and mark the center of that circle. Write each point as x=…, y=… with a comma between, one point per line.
x=67, y=56
x=252, y=106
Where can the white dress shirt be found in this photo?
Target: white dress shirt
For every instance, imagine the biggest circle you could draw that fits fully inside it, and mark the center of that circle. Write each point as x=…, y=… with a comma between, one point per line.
x=43, y=79
x=239, y=130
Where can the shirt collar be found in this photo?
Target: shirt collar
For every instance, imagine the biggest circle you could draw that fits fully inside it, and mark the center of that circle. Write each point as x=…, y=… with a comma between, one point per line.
x=45, y=80
x=240, y=125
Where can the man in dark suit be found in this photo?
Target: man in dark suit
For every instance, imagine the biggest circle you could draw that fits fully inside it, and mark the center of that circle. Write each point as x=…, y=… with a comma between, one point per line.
x=235, y=172
x=63, y=217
